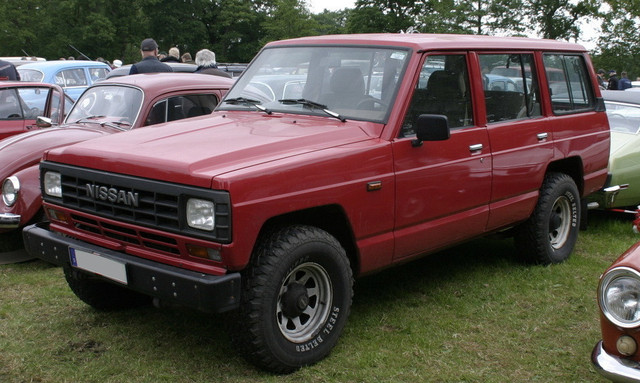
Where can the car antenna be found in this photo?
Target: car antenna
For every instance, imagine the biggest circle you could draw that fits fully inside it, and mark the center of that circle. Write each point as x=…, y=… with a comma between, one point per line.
x=82, y=54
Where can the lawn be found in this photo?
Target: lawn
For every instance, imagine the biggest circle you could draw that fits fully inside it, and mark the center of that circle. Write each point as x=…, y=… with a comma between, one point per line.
x=473, y=313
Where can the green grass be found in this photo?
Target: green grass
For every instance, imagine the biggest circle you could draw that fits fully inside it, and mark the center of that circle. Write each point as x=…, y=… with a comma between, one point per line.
x=472, y=313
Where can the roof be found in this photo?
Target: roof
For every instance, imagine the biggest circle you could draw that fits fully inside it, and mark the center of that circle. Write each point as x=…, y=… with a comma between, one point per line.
x=177, y=67
x=170, y=81
x=632, y=97
x=57, y=64
x=419, y=41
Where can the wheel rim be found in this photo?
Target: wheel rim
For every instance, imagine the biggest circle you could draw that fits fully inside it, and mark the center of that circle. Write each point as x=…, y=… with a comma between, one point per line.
x=560, y=222
x=304, y=300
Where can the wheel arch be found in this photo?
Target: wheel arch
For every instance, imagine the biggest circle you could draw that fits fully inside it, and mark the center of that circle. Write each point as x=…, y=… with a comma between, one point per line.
x=330, y=218
x=573, y=167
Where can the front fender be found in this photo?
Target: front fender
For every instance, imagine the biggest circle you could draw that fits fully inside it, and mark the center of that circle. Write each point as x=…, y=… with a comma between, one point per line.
x=29, y=204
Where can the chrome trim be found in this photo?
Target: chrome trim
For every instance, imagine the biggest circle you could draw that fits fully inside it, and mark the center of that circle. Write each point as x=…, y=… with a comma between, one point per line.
x=542, y=136
x=476, y=147
x=16, y=186
x=610, y=193
x=604, y=304
x=613, y=367
x=9, y=221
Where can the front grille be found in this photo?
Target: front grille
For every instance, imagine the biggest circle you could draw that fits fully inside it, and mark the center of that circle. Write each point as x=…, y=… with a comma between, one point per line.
x=140, y=201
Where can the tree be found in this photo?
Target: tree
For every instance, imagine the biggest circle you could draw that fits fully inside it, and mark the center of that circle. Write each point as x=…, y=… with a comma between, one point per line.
x=287, y=19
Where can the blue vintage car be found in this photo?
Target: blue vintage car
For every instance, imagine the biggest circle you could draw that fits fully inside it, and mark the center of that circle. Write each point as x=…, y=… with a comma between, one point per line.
x=74, y=76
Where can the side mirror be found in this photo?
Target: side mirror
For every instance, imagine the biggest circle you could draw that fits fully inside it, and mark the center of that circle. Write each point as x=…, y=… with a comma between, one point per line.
x=43, y=122
x=431, y=127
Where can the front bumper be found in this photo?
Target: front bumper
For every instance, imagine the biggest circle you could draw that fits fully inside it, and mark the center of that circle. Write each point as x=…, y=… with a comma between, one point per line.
x=9, y=221
x=613, y=367
x=170, y=284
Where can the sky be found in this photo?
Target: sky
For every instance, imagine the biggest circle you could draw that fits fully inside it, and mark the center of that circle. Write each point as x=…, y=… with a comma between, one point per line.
x=317, y=6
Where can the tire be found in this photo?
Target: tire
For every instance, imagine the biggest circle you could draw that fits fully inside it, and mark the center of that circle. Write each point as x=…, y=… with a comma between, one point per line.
x=550, y=234
x=101, y=295
x=296, y=299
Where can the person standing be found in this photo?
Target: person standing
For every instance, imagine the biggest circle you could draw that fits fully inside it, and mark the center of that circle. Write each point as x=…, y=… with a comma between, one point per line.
x=613, y=80
x=149, y=62
x=624, y=82
x=206, y=62
x=601, y=81
x=173, y=56
x=8, y=71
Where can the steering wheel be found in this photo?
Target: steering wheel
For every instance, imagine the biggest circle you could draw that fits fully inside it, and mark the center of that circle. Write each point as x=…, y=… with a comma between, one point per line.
x=372, y=101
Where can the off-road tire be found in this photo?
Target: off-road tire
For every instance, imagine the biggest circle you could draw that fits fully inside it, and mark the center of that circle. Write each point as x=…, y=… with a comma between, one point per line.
x=102, y=295
x=297, y=296
x=550, y=234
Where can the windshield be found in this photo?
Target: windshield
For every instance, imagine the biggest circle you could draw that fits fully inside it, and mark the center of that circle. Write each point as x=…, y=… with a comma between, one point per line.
x=113, y=102
x=30, y=75
x=623, y=118
x=350, y=82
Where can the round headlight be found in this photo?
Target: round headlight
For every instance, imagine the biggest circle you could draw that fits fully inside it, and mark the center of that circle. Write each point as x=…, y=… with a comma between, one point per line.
x=10, y=190
x=201, y=214
x=619, y=296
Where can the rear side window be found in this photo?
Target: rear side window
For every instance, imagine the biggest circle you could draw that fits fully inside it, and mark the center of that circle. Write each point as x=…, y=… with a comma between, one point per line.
x=179, y=107
x=71, y=77
x=510, y=86
x=569, y=83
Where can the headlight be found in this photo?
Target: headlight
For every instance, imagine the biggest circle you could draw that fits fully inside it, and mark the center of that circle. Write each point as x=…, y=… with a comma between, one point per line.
x=52, y=184
x=619, y=296
x=10, y=190
x=201, y=214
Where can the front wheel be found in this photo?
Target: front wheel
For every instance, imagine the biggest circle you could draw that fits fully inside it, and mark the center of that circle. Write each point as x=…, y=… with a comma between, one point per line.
x=297, y=297
x=550, y=234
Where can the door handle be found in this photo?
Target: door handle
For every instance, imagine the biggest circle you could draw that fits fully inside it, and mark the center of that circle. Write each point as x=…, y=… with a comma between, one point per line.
x=542, y=136
x=475, y=148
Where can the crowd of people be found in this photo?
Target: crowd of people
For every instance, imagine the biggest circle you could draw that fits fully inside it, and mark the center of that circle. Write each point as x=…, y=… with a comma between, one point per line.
x=613, y=82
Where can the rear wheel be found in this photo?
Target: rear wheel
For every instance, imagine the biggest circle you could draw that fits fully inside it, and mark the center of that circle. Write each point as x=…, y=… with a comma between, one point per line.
x=550, y=234
x=297, y=297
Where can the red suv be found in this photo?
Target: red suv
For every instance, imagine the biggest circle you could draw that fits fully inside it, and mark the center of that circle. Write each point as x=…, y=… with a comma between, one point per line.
x=330, y=157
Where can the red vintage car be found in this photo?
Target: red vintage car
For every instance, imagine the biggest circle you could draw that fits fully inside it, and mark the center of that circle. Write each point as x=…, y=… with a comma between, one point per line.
x=109, y=106
x=617, y=355
x=22, y=102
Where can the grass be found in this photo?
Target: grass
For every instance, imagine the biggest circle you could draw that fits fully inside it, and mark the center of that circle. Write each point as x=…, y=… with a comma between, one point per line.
x=469, y=314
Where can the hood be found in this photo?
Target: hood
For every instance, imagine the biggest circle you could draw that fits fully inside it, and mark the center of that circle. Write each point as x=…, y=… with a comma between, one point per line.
x=196, y=150
x=25, y=149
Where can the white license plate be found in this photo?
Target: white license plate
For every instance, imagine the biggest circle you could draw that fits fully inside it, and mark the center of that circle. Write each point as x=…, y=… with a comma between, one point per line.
x=95, y=263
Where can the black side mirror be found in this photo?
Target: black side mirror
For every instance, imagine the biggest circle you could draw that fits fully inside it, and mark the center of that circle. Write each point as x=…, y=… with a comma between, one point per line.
x=431, y=127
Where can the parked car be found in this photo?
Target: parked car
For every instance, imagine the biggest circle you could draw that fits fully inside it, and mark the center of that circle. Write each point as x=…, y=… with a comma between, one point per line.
x=21, y=60
x=622, y=189
x=74, y=76
x=177, y=67
x=271, y=205
x=21, y=103
x=107, y=107
x=617, y=356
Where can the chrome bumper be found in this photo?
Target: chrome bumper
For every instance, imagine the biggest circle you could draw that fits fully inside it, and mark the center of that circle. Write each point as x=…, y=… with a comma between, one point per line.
x=607, y=197
x=613, y=367
x=9, y=221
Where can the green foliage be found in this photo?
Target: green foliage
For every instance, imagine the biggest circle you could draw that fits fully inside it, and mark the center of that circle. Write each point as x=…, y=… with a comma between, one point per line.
x=472, y=313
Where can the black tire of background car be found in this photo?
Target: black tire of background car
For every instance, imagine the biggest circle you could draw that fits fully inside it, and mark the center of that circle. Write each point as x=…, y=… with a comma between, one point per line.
x=293, y=270
x=550, y=234
x=101, y=295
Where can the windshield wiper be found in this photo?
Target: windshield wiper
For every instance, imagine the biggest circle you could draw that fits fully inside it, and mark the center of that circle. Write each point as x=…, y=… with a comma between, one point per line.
x=312, y=105
x=88, y=119
x=248, y=101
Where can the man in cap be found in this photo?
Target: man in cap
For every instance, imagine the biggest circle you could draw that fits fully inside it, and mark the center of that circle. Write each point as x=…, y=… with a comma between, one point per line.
x=150, y=62
x=613, y=80
x=8, y=71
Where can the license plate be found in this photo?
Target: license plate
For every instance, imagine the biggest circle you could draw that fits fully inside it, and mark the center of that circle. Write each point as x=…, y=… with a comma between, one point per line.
x=98, y=264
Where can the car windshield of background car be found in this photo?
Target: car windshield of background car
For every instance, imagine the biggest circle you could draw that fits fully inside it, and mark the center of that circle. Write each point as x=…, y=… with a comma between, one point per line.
x=623, y=118
x=113, y=103
x=357, y=82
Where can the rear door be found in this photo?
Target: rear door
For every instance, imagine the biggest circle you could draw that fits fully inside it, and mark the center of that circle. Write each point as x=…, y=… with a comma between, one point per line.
x=443, y=187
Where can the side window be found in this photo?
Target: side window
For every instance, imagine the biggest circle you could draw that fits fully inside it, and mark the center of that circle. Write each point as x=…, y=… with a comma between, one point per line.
x=98, y=73
x=569, y=83
x=71, y=77
x=33, y=101
x=442, y=88
x=511, y=88
x=179, y=107
x=10, y=105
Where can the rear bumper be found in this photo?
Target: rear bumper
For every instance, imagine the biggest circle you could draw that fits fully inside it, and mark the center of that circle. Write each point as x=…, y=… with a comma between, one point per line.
x=613, y=367
x=9, y=221
x=173, y=285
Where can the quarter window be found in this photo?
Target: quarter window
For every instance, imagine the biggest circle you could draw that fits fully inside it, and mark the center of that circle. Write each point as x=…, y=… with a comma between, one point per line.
x=569, y=83
x=179, y=107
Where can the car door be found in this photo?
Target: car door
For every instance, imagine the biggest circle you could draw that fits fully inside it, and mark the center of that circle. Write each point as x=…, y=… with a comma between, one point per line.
x=443, y=187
